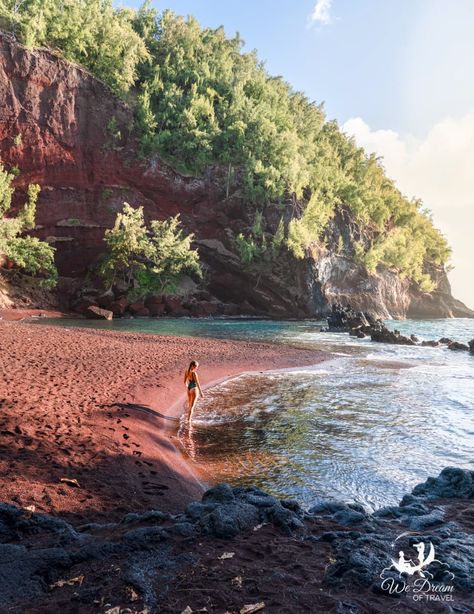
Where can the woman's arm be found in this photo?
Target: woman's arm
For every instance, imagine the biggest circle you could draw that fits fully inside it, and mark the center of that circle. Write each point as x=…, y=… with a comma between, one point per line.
x=185, y=378
x=198, y=384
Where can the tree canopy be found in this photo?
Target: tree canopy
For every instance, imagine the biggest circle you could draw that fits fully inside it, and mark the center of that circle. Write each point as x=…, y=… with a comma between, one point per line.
x=200, y=100
x=147, y=259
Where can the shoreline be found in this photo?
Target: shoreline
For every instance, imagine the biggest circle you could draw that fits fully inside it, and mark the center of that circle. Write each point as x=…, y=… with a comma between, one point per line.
x=125, y=537
x=67, y=414
x=199, y=469
x=8, y=314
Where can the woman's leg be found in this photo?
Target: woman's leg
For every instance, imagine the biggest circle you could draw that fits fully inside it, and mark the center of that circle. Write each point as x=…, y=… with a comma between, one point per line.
x=193, y=400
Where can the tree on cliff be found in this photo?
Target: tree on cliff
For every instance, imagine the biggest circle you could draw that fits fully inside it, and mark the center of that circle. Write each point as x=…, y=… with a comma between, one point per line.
x=147, y=259
x=27, y=253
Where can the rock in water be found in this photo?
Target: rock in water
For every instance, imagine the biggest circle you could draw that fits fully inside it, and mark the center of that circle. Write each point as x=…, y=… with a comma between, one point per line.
x=96, y=313
x=445, y=340
x=385, y=335
x=346, y=320
x=451, y=482
x=456, y=345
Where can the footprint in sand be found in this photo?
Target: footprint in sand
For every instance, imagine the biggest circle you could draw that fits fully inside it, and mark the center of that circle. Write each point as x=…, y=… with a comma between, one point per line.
x=149, y=486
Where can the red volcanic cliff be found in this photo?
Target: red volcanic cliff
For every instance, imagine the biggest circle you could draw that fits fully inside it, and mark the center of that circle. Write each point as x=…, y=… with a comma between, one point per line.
x=65, y=130
x=56, y=125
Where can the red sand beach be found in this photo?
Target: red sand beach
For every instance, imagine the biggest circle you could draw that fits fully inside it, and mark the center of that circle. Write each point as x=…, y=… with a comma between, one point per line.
x=59, y=421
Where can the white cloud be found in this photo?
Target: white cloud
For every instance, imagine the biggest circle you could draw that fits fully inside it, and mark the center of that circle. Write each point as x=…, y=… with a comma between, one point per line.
x=439, y=170
x=321, y=12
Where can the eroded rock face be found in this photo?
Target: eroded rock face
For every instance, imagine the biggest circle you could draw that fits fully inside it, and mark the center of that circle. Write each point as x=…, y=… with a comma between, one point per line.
x=56, y=127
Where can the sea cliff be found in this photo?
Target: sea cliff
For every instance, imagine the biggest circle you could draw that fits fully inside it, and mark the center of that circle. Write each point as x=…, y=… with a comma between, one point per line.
x=65, y=130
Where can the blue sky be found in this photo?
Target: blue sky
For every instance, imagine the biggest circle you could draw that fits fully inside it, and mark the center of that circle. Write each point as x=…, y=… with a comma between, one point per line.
x=396, y=74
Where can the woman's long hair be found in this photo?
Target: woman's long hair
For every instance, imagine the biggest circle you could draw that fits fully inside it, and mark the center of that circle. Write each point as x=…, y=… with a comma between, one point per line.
x=192, y=364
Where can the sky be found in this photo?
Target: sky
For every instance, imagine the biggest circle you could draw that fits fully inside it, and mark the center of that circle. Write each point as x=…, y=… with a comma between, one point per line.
x=396, y=74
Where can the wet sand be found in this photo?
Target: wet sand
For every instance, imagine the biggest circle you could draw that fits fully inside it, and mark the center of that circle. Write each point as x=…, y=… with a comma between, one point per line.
x=15, y=315
x=88, y=418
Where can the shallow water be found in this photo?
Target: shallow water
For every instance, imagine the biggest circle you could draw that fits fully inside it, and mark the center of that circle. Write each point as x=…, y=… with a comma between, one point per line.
x=365, y=426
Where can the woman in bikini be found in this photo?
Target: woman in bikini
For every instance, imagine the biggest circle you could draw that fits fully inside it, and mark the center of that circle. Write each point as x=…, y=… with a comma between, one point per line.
x=193, y=386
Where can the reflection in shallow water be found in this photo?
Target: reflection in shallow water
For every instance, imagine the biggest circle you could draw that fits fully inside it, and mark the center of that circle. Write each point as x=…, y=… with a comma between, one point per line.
x=355, y=428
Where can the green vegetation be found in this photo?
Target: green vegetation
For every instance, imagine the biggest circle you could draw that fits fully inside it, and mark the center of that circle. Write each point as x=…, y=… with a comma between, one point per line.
x=148, y=260
x=278, y=239
x=29, y=254
x=256, y=246
x=89, y=32
x=199, y=101
x=309, y=227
